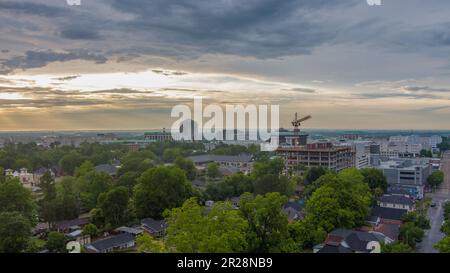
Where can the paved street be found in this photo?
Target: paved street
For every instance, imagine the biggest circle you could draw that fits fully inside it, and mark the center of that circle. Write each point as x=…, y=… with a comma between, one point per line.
x=436, y=215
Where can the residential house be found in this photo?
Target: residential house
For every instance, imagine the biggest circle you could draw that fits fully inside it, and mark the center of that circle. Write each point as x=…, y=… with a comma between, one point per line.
x=78, y=236
x=117, y=242
x=386, y=215
x=351, y=241
x=107, y=168
x=70, y=225
x=156, y=228
x=135, y=231
x=396, y=202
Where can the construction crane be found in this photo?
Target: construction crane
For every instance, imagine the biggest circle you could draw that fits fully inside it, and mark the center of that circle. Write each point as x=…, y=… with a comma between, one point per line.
x=297, y=122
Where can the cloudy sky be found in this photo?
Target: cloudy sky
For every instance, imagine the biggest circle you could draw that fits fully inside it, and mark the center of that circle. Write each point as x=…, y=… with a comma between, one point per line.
x=116, y=64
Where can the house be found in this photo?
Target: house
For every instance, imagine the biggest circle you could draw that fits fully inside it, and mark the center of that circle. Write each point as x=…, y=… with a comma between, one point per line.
x=396, y=202
x=235, y=163
x=27, y=179
x=293, y=210
x=74, y=224
x=386, y=215
x=130, y=230
x=78, y=236
x=235, y=201
x=156, y=228
x=37, y=175
x=117, y=242
x=107, y=168
x=351, y=241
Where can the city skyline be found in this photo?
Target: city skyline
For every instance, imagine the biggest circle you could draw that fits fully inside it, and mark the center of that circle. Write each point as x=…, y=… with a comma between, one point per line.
x=110, y=65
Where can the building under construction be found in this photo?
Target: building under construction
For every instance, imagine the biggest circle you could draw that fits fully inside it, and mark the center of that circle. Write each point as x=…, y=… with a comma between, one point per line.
x=298, y=152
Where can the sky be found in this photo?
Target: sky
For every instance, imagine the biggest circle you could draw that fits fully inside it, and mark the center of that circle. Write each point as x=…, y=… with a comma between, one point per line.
x=118, y=65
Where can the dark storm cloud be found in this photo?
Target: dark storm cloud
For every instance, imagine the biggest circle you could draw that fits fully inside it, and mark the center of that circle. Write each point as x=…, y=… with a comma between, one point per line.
x=80, y=33
x=35, y=59
x=31, y=8
x=263, y=29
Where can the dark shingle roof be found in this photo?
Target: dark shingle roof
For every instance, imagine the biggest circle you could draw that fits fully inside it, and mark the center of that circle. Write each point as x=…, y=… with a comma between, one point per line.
x=112, y=242
x=154, y=225
x=396, y=199
x=70, y=223
x=388, y=213
x=334, y=249
x=106, y=168
x=201, y=159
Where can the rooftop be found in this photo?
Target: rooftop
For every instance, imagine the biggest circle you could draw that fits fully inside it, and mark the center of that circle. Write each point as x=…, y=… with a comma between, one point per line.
x=396, y=199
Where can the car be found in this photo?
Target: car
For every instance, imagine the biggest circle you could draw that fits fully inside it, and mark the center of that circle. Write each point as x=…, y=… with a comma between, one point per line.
x=433, y=204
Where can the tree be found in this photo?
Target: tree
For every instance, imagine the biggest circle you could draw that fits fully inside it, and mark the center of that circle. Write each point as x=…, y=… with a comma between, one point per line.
x=375, y=178
x=417, y=219
x=170, y=154
x=273, y=183
x=128, y=180
x=443, y=246
x=426, y=153
x=70, y=161
x=342, y=201
x=190, y=230
x=56, y=242
x=90, y=229
x=47, y=184
x=305, y=234
x=160, y=188
x=447, y=210
x=15, y=232
x=446, y=228
x=233, y=185
x=268, y=225
x=411, y=234
x=91, y=185
x=85, y=168
x=313, y=173
x=444, y=145
x=147, y=244
x=435, y=179
x=396, y=247
x=187, y=166
x=114, y=205
x=14, y=197
x=212, y=170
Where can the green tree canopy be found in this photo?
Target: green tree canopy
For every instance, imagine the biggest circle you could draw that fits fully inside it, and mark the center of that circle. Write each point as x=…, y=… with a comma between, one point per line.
x=343, y=201
x=268, y=225
x=375, y=178
x=114, y=205
x=160, y=188
x=313, y=173
x=191, y=230
x=187, y=166
x=435, y=179
x=15, y=232
x=212, y=170
x=396, y=247
x=443, y=246
x=411, y=234
x=56, y=242
x=14, y=197
x=90, y=229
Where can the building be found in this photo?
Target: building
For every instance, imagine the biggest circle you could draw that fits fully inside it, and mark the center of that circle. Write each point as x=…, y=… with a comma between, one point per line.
x=406, y=172
x=317, y=154
x=232, y=163
x=386, y=215
x=156, y=228
x=27, y=179
x=396, y=202
x=158, y=136
x=351, y=241
x=290, y=137
x=121, y=241
x=107, y=168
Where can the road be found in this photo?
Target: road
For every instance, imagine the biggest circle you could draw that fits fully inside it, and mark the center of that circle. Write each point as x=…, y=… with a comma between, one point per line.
x=436, y=215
